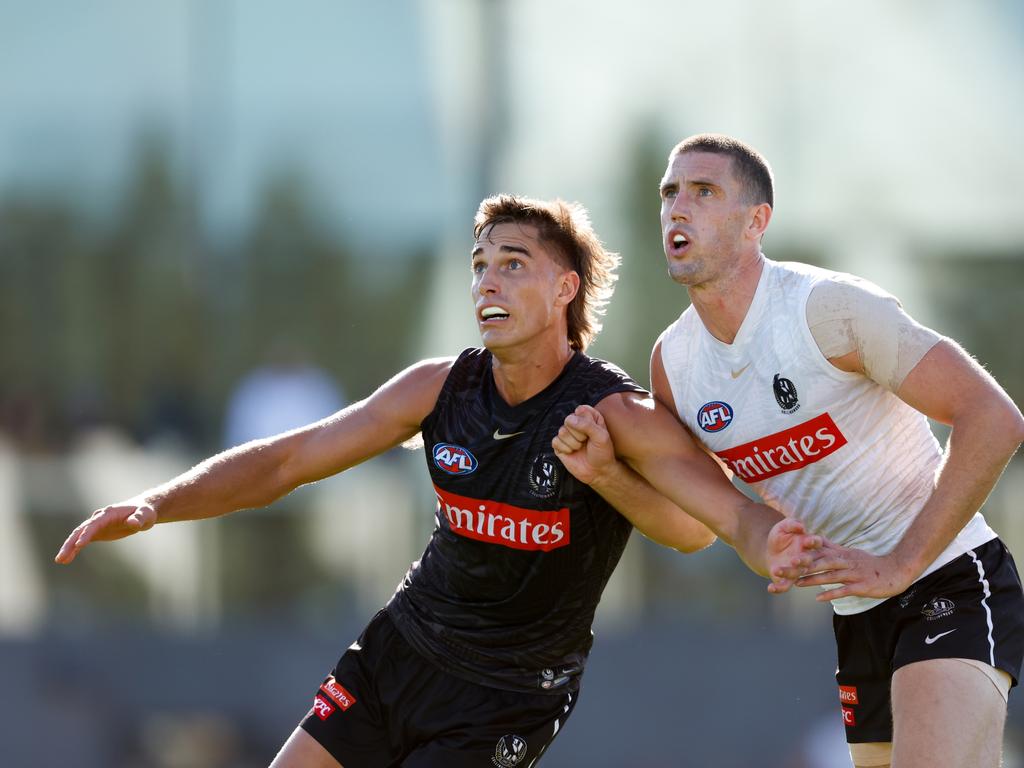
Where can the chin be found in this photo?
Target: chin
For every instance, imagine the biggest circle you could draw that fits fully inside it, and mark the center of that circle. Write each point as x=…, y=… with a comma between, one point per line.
x=683, y=276
x=492, y=341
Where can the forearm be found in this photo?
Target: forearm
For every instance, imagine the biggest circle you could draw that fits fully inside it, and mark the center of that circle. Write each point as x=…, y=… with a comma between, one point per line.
x=977, y=452
x=694, y=483
x=653, y=515
x=750, y=536
x=240, y=478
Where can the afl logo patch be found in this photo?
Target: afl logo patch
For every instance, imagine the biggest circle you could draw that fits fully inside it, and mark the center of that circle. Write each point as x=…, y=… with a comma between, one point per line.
x=714, y=416
x=453, y=459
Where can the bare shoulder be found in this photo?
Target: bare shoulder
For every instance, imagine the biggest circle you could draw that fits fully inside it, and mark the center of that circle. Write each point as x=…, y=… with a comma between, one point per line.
x=430, y=369
x=659, y=377
x=415, y=389
x=656, y=358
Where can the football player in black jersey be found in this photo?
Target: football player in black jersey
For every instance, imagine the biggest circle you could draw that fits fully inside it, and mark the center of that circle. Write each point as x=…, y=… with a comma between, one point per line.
x=477, y=658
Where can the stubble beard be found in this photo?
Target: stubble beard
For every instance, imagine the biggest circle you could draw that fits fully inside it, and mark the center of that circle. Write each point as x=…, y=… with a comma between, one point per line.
x=685, y=272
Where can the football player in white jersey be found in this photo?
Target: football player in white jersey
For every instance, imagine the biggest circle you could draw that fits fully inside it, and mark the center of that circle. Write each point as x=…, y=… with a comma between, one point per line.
x=814, y=387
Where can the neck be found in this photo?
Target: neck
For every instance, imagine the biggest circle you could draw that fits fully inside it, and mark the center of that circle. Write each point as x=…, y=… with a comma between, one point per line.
x=722, y=303
x=520, y=374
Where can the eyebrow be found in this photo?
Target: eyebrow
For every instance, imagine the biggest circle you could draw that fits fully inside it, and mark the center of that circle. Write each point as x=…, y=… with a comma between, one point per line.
x=673, y=186
x=503, y=249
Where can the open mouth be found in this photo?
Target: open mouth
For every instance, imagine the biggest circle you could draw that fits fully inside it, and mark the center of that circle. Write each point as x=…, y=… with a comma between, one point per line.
x=493, y=314
x=677, y=243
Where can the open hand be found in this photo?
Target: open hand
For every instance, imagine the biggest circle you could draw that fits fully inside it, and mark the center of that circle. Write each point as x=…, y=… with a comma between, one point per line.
x=856, y=572
x=107, y=524
x=790, y=553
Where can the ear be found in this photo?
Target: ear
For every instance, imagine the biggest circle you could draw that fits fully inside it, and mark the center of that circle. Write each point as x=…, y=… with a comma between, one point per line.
x=568, y=287
x=759, y=218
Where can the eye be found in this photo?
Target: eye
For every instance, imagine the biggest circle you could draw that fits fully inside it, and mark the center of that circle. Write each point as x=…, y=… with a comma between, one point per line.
x=477, y=267
x=667, y=193
x=514, y=264
x=705, y=192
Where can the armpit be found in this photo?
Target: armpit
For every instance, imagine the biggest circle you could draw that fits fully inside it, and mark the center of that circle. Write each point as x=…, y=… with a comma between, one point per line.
x=848, y=314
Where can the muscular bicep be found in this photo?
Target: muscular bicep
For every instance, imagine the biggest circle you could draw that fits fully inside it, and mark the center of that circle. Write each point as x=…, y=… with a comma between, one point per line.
x=948, y=382
x=388, y=417
x=655, y=444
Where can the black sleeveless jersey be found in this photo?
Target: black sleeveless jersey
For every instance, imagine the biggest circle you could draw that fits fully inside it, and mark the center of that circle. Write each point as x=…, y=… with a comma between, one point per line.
x=505, y=592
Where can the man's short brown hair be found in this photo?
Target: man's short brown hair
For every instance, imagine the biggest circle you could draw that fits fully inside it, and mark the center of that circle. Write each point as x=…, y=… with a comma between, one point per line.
x=567, y=227
x=748, y=164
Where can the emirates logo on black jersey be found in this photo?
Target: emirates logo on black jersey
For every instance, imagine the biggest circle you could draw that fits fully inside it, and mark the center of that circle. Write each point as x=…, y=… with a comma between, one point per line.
x=504, y=524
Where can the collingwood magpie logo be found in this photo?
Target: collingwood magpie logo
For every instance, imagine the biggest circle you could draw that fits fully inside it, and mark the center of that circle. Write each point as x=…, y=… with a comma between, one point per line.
x=785, y=394
x=937, y=608
x=509, y=752
x=544, y=476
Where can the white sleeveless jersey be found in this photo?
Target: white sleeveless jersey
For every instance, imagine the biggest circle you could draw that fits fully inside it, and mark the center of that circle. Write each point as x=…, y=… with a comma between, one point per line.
x=833, y=449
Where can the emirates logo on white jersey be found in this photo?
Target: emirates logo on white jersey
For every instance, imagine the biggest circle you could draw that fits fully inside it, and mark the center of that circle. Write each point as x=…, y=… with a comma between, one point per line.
x=784, y=451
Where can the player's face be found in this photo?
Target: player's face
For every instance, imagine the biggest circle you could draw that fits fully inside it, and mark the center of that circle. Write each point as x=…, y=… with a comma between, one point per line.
x=520, y=290
x=703, y=216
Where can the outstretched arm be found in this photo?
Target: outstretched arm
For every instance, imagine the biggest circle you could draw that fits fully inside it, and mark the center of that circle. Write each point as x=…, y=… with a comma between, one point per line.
x=261, y=471
x=589, y=455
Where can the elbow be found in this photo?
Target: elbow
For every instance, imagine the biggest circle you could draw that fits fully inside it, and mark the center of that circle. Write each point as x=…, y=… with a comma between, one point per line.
x=275, y=474
x=998, y=427
x=696, y=543
x=1018, y=428
x=1011, y=425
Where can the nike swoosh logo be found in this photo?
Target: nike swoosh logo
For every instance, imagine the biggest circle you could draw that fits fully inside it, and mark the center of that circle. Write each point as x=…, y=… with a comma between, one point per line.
x=735, y=374
x=499, y=436
x=928, y=640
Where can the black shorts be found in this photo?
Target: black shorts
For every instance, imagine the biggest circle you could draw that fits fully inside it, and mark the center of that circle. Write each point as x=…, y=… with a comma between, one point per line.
x=970, y=608
x=385, y=705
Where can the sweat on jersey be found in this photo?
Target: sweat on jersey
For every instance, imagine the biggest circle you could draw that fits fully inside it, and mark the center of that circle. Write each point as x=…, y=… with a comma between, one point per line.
x=833, y=449
x=504, y=594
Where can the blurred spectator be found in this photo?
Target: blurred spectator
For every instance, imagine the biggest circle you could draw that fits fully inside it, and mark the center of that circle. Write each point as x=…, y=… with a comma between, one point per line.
x=22, y=596
x=284, y=393
x=173, y=414
x=28, y=417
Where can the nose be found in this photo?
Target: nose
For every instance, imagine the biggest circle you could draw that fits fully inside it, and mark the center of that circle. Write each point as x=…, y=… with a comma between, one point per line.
x=680, y=208
x=486, y=281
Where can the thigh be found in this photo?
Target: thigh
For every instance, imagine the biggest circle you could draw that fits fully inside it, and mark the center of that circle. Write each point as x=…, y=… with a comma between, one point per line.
x=946, y=713
x=875, y=754
x=348, y=719
x=972, y=608
x=493, y=728
x=864, y=648
x=303, y=751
